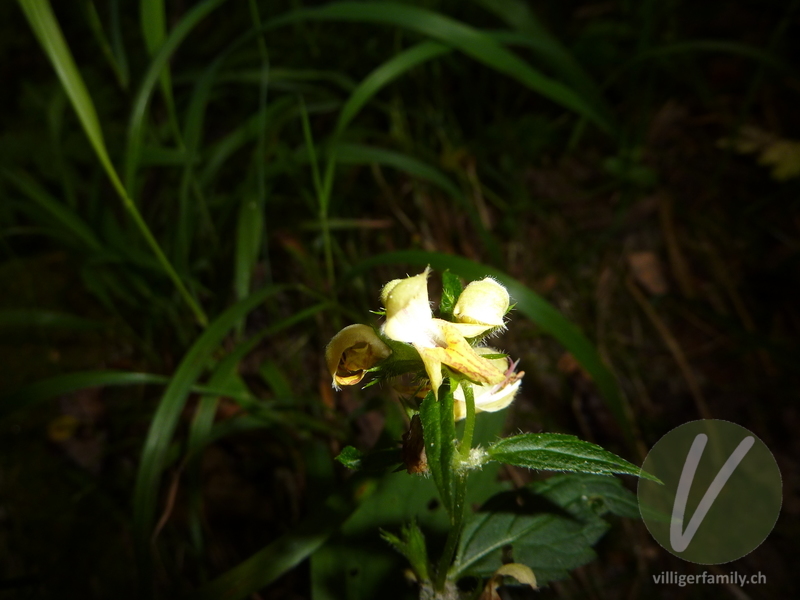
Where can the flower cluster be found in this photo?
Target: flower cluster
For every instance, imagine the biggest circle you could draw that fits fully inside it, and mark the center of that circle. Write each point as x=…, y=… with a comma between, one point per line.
x=479, y=311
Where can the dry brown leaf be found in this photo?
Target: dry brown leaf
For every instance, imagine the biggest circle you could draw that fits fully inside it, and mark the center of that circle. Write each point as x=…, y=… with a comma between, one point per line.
x=647, y=270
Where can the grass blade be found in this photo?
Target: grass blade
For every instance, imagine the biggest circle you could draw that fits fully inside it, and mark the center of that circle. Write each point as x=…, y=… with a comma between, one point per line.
x=64, y=384
x=227, y=146
x=121, y=58
x=357, y=154
x=43, y=22
x=469, y=40
x=203, y=431
x=249, y=230
x=154, y=24
x=285, y=553
x=154, y=30
x=691, y=47
x=68, y=219
x=261, y=147
x=138, y=115
x=385, y=74
x=226, y=370
x=518, y=15
x=322, y=185
x=120, y=69
x=347, y=153
x=166, y=417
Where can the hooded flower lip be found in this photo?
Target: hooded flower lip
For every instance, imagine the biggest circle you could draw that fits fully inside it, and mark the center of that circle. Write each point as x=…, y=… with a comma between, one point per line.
x=482, y=303
x=351, y=352
x=490, y=397
x=408, y=311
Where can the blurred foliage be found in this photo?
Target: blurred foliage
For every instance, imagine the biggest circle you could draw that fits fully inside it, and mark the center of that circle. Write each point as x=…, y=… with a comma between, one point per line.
x=202, y=193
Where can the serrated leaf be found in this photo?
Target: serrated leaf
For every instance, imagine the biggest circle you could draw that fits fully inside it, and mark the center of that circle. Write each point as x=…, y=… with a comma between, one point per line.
x=411, y=544
x=550, y=526
x=350, y=457
x=561, y=452
x=378, y=461
x=451, y=290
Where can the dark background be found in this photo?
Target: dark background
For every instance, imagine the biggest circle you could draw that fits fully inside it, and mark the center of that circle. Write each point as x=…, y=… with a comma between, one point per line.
x=672, y=240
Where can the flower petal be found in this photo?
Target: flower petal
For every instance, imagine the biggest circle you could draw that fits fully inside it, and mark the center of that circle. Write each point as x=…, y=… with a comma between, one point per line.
x=455, y=352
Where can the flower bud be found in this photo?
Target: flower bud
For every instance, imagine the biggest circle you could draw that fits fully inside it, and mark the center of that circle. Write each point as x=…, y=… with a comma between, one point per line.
x=483, y=302
x=351, y=351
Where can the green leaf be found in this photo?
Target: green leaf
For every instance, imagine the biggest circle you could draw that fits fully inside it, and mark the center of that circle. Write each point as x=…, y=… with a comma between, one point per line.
x=439, y=433
x=561, y=452
x=350, y=457
x=550, y=526
x=411, y=544
x=451, y=290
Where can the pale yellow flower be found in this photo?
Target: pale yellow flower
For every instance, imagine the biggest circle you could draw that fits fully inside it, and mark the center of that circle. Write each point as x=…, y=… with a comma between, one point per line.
x=351, y=351
x=409, y=319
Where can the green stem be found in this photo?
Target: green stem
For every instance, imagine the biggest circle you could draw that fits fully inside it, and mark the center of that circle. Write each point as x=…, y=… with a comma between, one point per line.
x=459, y=484
x=456, y=525
x=469, y=423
